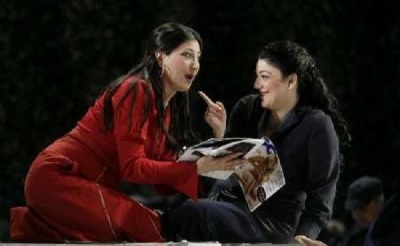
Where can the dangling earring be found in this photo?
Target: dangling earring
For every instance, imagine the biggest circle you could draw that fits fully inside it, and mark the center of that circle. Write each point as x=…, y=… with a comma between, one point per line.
x=162, y=70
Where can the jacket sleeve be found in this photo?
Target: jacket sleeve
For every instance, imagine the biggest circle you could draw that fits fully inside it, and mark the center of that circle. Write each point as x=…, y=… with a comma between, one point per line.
x=131, y=137
x=323, y=173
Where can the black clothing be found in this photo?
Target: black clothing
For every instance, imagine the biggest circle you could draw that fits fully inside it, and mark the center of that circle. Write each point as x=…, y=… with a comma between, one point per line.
x=386, y=229
x=308, y=149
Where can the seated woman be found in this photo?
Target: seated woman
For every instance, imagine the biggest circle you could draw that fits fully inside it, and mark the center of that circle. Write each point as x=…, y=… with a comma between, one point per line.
x=296, y=110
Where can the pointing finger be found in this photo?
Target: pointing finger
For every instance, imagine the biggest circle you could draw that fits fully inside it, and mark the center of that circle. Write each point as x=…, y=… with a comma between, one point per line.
x=209, y=102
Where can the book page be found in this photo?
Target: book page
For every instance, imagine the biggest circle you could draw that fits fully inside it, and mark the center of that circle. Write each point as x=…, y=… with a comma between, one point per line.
x=260, y=175
x=218, y=148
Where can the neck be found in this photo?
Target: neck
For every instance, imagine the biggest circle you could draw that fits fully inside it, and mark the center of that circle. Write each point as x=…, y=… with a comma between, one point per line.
x=279, y=115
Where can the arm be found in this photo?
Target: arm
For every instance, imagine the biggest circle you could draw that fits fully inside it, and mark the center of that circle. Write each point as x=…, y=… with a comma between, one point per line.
x=323, y=173
x=135, y=165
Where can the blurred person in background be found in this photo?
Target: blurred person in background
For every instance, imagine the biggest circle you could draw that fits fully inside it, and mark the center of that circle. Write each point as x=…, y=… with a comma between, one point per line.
x=365, y=200
x=386, y=229
x=377, y=219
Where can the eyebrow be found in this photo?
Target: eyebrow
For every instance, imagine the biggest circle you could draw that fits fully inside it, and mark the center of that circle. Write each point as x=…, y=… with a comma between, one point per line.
x=190, y=49
x=264, y=71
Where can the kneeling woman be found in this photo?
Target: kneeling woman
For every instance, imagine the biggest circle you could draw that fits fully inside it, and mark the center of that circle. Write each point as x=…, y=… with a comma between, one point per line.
x=132, y=133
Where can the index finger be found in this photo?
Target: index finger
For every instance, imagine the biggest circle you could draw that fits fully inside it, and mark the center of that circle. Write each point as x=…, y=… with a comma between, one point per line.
x=206, y=98
x=209, y=102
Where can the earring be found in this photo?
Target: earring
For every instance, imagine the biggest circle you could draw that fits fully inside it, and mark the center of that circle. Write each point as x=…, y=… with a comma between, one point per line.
x=162, y=70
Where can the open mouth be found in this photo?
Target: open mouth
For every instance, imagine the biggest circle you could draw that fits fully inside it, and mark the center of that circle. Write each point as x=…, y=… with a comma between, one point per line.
x=262, y=93
x=189, y=77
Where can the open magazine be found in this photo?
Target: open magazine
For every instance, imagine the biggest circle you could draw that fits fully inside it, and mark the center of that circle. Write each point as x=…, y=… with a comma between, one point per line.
x=260, y=175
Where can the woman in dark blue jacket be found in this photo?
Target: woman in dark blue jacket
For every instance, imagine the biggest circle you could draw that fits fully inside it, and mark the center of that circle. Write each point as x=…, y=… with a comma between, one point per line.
x=295, y=109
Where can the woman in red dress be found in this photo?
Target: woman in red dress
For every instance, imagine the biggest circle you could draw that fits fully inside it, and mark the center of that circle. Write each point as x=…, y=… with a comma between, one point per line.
x=132, y=132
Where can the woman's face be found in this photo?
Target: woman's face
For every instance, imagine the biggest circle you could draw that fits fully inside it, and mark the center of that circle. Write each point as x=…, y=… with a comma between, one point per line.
x=271, y=85
x=181, y=67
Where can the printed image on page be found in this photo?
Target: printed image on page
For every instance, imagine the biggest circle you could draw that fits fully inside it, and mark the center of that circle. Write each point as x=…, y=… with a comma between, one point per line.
x=261, y=176
x=219, y=148
x=241, y=146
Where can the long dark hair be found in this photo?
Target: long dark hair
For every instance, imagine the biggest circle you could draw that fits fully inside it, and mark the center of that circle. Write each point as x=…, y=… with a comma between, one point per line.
x=289, y=57
x=165, y=39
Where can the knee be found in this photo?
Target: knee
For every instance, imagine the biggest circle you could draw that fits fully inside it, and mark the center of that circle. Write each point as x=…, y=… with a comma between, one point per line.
x=187, y=221
x=187, y=214
x=188, y=210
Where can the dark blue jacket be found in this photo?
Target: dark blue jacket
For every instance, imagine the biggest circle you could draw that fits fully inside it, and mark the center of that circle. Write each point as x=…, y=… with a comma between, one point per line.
x=308, y=149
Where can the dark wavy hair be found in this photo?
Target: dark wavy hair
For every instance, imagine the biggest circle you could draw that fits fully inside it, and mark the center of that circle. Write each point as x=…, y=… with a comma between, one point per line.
x=289, y=57
x=165, y=39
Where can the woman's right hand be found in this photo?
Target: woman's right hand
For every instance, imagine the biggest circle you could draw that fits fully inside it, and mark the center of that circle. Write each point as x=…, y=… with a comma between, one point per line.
x=228, y=162
x=215, y=116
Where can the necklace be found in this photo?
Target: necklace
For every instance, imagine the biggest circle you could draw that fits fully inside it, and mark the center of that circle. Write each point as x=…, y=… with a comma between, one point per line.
x=165, y=104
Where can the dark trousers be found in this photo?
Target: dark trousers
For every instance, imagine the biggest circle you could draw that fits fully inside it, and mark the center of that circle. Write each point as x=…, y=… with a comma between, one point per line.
x=207, y=220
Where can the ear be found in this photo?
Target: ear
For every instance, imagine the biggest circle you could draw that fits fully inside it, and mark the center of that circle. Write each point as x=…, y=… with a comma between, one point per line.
x=292, y=81
x=159, y=58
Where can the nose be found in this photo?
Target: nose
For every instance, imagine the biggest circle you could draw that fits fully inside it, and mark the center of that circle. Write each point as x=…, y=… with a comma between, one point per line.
x=257, y=84
x=196, y=65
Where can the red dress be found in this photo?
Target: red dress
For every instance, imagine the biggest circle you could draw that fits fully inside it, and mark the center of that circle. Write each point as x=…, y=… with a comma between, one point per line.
x=71, y=188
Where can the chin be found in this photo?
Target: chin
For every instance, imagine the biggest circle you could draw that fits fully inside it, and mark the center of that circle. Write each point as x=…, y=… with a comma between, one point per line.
x=265, y=105
x=184, y=88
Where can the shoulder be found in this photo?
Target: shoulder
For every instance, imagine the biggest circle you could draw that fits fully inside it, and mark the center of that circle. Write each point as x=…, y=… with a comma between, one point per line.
x=312, y=115
x=317, y=119
x=248, y=103
x=249, y=99
x=247, y=106
x=135, y=83
x=133, y=89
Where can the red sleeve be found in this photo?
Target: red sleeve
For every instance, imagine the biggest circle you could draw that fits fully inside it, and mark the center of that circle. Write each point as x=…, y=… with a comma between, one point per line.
x=134, y=163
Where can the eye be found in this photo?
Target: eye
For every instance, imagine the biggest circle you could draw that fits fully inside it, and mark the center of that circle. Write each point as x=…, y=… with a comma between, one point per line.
x=188, y=55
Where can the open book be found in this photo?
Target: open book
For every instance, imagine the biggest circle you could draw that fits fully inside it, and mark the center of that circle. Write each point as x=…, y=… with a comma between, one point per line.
x=260, y=175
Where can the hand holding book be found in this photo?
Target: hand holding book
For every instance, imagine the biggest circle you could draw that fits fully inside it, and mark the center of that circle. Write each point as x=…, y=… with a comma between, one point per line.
x=227, y=162
x=253, y=162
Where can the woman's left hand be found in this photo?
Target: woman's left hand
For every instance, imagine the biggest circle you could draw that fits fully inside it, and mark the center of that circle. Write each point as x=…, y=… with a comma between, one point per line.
x=215, y=116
